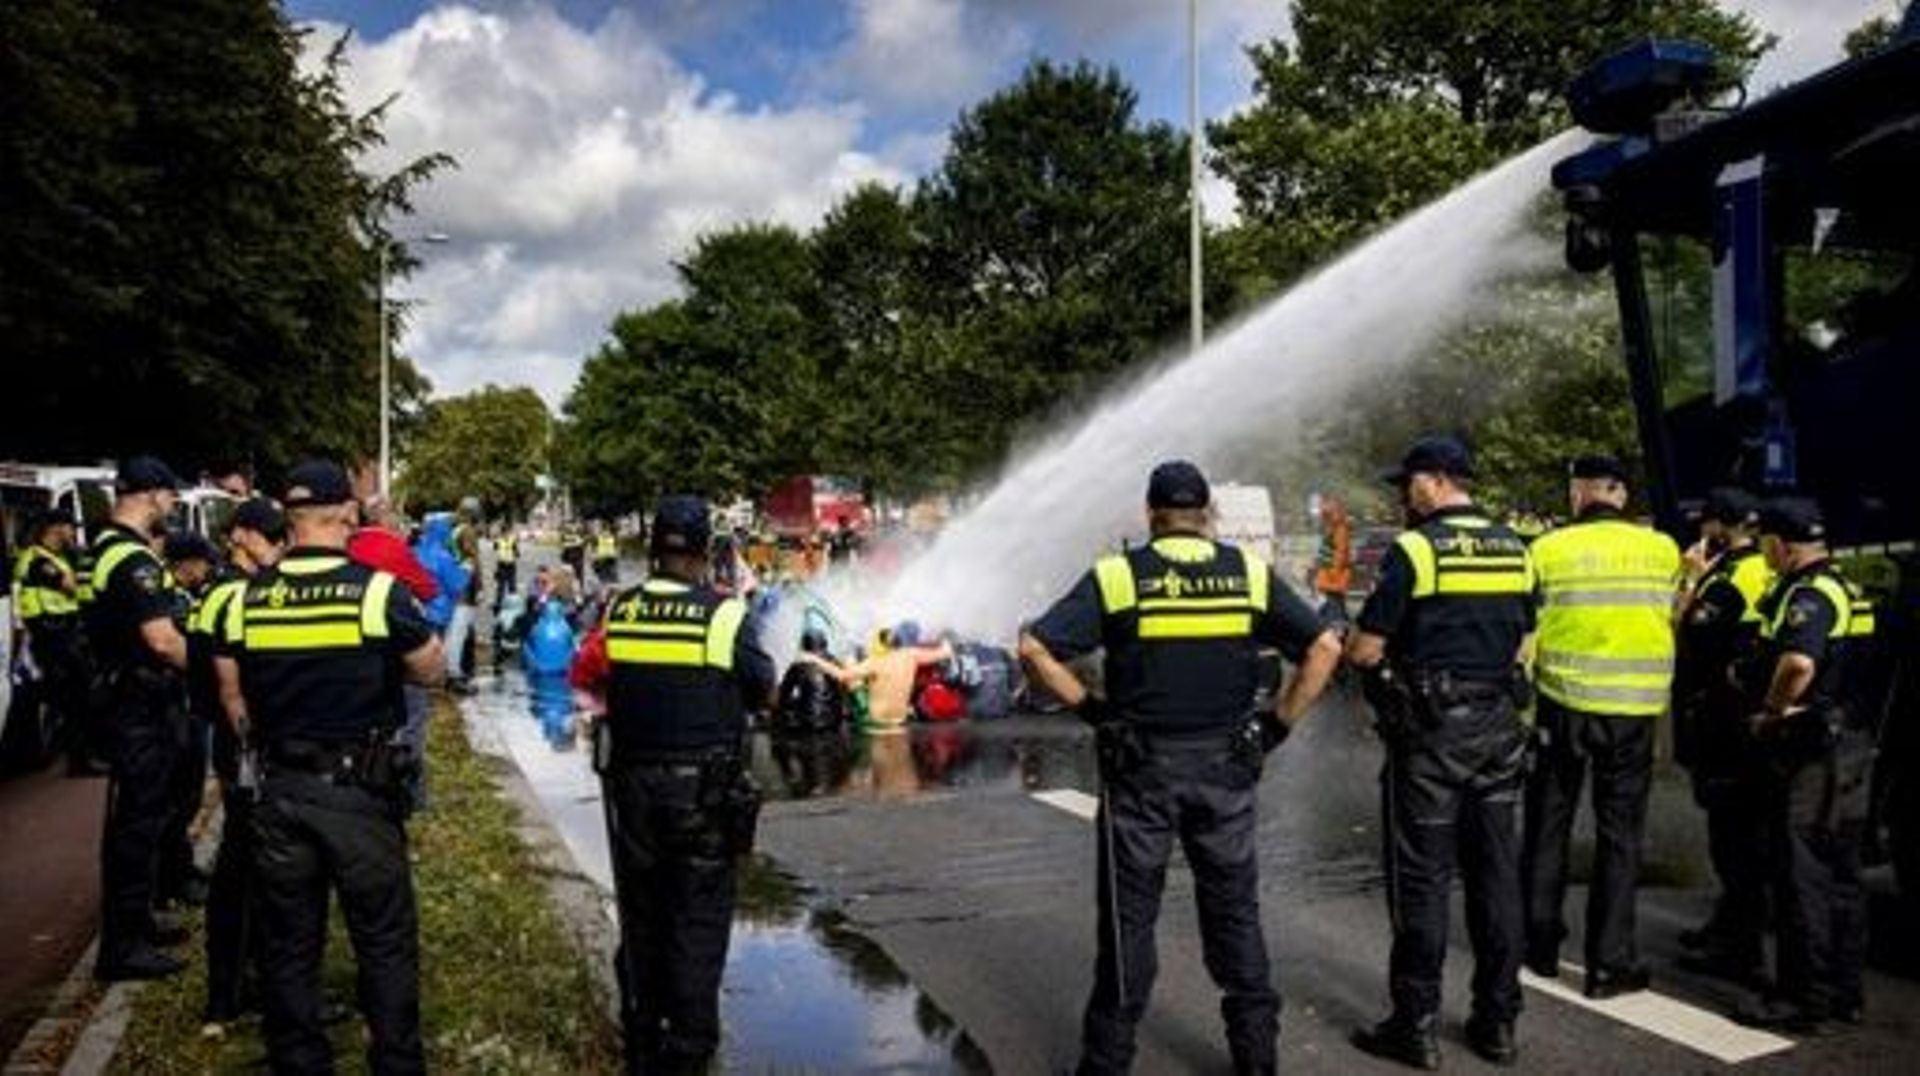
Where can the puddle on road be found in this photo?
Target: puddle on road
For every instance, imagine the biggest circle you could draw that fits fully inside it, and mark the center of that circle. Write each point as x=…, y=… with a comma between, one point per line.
x=803, y=992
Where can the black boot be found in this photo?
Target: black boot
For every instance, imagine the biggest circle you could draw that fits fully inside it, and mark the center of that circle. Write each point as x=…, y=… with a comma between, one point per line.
x=1604, y=983
x=1408, y=1040
x=1492, y=1040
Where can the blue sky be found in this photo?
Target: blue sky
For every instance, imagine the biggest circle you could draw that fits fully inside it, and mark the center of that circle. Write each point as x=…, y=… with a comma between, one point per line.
x=597, y=139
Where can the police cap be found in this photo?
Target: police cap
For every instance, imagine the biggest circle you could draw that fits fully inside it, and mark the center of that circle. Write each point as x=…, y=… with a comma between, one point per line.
x=1793, y=519
x=1434, y=454
x=1604, y=467
x=315, y=483
x=262, y=517
x=183, y=545
x=681, y=524
x=1732, y=506
x=1178, y=484
x=144, y=474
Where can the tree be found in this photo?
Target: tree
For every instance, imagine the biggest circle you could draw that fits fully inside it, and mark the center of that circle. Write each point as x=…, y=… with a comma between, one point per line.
x=193, y=236
x=1379, y=106
x=490, y=444
x=1055, y=245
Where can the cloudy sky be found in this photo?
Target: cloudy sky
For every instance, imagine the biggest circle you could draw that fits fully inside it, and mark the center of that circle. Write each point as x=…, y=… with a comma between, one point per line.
x=598, y=138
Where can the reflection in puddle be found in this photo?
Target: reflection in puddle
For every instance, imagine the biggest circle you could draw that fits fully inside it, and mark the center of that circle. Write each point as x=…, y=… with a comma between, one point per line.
x=802, y=992
x=805, y=993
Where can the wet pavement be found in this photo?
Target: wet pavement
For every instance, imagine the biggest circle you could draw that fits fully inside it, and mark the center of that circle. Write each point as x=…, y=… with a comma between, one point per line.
x=932, y=910
x=803, y=991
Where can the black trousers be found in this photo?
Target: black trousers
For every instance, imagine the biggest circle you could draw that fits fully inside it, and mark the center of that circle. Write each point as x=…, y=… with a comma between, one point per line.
x=147, y=709
x=61, y=654
x=1735, y=802
x=506, y=579
x=310, y=838
x=233, y=936
x=1451, y=797
x=675, y=879
x=1619, y=751
x=186, y=790
x=1816, y=816
x=1199, y=792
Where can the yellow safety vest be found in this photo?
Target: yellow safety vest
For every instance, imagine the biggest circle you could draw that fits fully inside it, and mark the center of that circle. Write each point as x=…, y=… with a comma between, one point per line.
x=1853, y=610
x=1747, y=573
x=1457, y=562
x=1605, y=643
x=506, y=549
x=1176, y=607
x=275, y=622
x=207, y=615
x=37, y=601
x=606, y=547
x=650, y=628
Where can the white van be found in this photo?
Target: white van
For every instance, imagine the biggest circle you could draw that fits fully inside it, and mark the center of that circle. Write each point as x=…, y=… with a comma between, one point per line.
x=1243, y=516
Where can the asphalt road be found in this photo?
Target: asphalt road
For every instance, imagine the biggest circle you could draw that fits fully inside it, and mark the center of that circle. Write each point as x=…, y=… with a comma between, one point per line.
x=49, y=887
x=973, y=870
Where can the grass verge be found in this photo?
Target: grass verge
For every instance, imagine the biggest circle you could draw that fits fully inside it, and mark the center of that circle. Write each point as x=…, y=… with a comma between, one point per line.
x=504, y=988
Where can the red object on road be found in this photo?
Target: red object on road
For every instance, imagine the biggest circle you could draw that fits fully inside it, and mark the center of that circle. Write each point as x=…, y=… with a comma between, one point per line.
x=940, y=701
x=382, y=550
x=591, y=668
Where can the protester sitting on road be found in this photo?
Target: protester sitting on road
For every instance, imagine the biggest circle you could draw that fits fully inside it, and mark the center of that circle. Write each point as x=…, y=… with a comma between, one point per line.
x=811, y=698
x=889, y=676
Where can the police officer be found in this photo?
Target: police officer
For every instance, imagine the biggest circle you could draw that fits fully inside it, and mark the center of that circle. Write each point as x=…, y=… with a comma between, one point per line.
x=1815, y=731
x=253, y=543
x=506, y=564
x=311, y=660
x=1605, y=671
x=49, y=609
x=684, y=668
x=573, y=549
x=1181, y=620
x=606, y=555
x=1718, y=629
x=1438, y=643
x=142, y=654
x=193, y=565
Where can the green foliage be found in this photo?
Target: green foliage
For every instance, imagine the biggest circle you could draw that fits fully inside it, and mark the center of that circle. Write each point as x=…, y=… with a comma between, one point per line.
x=1871, y=36
x=490, y=444
x=906, y=341
x=186, y=260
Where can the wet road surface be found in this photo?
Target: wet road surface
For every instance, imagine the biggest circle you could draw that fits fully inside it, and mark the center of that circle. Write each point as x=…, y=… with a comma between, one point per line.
x=934, y=912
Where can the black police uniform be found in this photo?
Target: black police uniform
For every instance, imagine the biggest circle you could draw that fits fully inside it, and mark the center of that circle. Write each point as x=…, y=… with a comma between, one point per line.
x=1181, y=620
x=684, y=663
x=232, y=934
x=1717, y=633
x=180, y=878
x=1817, y=792
x=57, y=640
x=319, y=641
x=1453, y=602
x=148, y=708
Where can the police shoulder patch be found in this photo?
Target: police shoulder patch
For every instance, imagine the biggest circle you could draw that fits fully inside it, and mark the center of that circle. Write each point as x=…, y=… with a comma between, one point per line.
x=146, y=575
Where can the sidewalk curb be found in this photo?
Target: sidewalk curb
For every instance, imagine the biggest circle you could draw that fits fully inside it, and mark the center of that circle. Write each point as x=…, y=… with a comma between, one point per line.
x=81, y=1028
x=585, y=910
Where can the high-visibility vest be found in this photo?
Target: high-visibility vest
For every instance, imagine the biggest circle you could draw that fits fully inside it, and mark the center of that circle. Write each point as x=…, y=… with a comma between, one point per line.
x=211, y=610
x=670, y=651
x=277, y=616
x=606, y=547
x=1456, y=561
x=506, y=549
x=39, y=601
x=1747, y=572
x=1606, y=643
x=1853, y=611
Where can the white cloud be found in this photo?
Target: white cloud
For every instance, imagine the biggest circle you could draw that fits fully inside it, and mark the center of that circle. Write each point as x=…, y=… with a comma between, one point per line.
x=920, y=57
x=1811, y=34
x=589, y=160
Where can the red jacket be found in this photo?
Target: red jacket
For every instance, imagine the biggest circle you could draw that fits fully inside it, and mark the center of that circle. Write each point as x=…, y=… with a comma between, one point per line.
x=383, y=550
x=591, y=670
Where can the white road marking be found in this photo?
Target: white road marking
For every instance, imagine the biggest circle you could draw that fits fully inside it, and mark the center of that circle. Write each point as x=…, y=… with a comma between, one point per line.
x=1695, y=1028
x=1071, y=800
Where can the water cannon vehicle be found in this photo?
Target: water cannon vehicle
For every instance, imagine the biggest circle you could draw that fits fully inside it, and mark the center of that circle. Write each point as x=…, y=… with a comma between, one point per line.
x=1764, y=259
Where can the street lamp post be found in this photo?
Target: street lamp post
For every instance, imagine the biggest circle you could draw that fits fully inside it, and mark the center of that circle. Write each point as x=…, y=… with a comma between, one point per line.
x=386, y=365
x=1196, y=311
